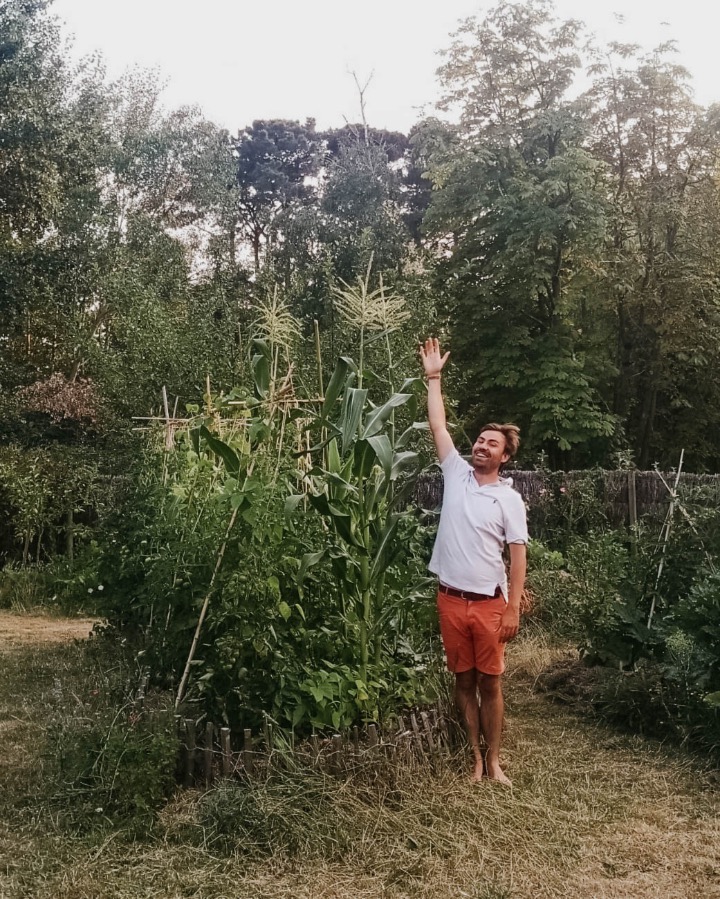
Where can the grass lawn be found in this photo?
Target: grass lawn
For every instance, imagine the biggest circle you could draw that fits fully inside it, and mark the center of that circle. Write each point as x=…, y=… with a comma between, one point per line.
x=592, y=813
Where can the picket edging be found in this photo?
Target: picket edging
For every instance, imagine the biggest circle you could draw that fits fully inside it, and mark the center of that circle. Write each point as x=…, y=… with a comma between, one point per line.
x=419, y=737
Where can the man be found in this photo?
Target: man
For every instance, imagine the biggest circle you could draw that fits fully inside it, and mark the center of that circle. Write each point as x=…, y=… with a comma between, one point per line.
x=478, y=614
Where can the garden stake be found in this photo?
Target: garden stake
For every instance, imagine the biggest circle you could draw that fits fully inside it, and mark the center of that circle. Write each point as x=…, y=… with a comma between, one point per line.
x=668, y=525
x=203, y=612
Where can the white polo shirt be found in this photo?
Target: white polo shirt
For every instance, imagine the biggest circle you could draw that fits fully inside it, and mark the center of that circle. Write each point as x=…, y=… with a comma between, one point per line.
x=475, y=524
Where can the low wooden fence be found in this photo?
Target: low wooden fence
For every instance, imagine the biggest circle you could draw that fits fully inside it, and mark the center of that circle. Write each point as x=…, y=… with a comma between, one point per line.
x=420, y=737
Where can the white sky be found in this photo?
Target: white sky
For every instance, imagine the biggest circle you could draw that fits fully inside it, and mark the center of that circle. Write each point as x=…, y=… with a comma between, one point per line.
x=246, y=59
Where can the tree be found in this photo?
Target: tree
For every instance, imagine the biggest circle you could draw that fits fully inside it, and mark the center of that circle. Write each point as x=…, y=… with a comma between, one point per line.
x=662, y=152
x=277, y=161
x=517, y=215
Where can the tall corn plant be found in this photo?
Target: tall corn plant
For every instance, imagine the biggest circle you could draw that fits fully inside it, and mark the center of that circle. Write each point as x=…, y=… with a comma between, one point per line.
x=363, y=473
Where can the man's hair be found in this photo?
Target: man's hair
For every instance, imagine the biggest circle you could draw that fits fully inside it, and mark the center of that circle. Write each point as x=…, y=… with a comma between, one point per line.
x=510, y=432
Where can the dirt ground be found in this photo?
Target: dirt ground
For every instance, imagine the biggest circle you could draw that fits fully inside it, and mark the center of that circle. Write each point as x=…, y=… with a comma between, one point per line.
x=25, y=630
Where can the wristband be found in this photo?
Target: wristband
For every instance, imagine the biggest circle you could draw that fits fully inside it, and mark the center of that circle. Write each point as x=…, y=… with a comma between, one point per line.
x=432, y=377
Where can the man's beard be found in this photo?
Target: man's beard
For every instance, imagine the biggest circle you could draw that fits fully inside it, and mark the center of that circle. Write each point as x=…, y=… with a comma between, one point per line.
x=484, y=464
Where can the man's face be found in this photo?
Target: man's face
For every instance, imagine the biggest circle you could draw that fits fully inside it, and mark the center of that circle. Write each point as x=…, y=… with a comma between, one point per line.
x=488, y=452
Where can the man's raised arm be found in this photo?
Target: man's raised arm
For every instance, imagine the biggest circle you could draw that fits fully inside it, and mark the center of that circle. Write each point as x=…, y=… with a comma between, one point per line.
x=433, y=362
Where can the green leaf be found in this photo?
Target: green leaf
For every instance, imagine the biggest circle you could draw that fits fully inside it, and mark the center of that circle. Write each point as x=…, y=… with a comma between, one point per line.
x=284, y=610
x=343, y=368
x=377, y=417
x=195, y=439
x=299, y=712
x=383, y=450
x=260, y=364
x=404, y=461
x=333, y=457
x=354, y=400
x=341, y=520
x=308, y=561
x=402, y=440
x=292, y=502
x=384, y=549
x=364, y=457
x=220, y=448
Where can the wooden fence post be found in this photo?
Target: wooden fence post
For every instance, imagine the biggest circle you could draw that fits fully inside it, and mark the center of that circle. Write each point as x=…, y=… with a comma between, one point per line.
x=247, y=753
x=208, y=753
x=226, y=751
x=190, y=745
x=336, y=757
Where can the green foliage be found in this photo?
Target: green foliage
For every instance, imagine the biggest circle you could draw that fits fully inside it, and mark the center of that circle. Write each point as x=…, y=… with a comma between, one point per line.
x=115, y=765
x=567, y=507
x=594, y=591
x=108, y=760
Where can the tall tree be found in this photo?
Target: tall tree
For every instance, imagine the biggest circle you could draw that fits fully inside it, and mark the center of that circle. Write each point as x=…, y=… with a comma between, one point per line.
x=518, y=215
x=662, y=151
x=277, y=164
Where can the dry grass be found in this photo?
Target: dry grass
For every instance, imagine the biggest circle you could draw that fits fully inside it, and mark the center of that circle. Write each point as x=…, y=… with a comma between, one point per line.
x=29, y=630
x=591, y=814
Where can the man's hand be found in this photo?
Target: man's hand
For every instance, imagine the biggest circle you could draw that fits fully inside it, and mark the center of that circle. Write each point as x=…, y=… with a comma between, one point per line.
x=509, y=624
x=432, y=359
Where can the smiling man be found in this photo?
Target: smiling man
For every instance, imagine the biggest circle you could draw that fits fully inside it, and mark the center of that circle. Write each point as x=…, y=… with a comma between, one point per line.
x=479, y=613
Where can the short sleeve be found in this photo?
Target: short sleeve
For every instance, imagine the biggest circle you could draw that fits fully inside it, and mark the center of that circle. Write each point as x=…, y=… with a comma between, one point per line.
x=516, y=530
x=454, y=464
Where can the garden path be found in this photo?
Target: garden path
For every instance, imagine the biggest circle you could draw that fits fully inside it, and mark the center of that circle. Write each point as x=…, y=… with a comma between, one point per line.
x=21, y=629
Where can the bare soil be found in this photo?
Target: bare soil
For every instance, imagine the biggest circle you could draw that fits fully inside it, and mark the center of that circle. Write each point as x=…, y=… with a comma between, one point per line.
x=19, y=629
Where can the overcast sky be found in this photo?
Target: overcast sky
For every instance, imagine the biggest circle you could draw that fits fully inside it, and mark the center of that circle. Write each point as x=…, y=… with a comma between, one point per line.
x=243, y=60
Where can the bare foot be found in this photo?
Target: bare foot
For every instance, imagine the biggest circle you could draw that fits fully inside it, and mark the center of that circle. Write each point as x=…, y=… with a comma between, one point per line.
x=496, y=773
x=477, y=774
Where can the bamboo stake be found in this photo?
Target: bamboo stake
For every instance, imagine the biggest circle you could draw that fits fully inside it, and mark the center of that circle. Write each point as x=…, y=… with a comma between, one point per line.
x=668, y=526
x=203, y=612
x=336, y=757
x=428, y=731
x=169, y=437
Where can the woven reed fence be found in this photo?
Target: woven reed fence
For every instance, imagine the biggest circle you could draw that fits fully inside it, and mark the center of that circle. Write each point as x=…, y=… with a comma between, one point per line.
x=622, y=494
x=418, y=738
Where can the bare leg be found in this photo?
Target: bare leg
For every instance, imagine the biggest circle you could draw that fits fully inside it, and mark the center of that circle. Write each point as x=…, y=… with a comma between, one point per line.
x=491, y=721
x=467, y=702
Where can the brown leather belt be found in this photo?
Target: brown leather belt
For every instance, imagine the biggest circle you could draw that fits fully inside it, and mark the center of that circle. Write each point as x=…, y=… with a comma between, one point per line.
x=468, y=595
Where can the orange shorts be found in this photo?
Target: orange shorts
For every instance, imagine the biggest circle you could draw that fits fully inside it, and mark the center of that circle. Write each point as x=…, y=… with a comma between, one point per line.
x=469, y=630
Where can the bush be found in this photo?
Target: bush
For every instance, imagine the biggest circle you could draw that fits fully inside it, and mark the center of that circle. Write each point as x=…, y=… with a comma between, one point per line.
x=595, y=592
